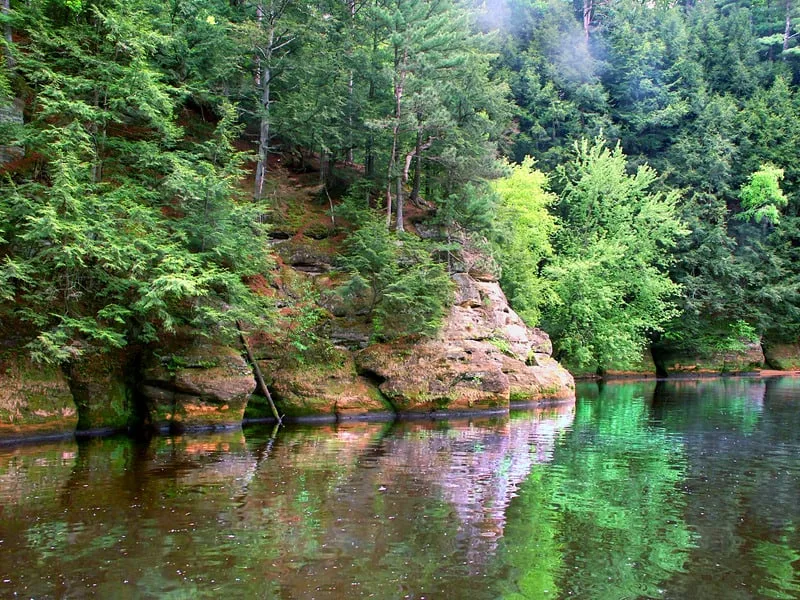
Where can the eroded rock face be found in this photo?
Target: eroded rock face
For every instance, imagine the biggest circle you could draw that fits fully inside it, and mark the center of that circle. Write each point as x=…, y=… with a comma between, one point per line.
x=785, y=357
x=34, y=399
x=748, y=359
x=484, y=357
x=193, y=382
x=437, y=375
x=331, y=387
x=100, y=385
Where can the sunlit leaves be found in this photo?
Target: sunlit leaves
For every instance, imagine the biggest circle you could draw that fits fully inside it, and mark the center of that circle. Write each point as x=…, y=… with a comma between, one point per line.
x=609, y=270
x=524, y=226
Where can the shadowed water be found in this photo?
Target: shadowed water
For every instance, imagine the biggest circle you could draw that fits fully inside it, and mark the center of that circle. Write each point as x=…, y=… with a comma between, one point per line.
x=685, y=489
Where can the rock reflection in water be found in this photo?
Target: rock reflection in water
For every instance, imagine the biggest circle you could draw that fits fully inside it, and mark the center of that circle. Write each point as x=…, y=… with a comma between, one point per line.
x=329, y=511
x=476, y=469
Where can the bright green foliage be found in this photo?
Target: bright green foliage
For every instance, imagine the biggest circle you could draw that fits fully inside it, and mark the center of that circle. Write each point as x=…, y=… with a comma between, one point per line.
x=406, y=290
x=762, y=197
x=522, y=242
x=612, y=252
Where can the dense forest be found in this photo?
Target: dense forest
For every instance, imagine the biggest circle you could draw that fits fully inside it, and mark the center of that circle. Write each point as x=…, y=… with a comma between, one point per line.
x=628, y=168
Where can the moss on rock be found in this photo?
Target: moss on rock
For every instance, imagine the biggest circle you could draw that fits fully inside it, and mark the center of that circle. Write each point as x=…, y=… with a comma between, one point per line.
x=329, y=386
x=100, y=384
x=35, y=399
x=190, y=382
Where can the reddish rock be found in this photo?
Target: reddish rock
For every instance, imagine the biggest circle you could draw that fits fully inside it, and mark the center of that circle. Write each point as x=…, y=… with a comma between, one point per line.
x=326, y=387
x=484, y=357
x=35, y=399
x=195, y=382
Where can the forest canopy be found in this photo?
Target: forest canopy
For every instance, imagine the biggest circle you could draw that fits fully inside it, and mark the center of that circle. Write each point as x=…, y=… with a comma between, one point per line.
x=631, y=166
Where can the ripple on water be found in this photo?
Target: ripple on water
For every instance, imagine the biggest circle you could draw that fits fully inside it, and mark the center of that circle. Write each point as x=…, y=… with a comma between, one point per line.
x=675, y=490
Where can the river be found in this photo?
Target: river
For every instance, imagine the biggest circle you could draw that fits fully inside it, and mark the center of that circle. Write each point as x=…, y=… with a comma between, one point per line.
x=679, y=489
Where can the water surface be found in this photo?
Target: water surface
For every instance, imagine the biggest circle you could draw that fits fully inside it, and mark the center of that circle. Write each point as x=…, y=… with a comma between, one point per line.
x=686, y=489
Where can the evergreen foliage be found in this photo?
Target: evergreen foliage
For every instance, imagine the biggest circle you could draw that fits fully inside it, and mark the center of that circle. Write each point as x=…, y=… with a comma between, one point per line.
x=406, y=290
x=125, y=216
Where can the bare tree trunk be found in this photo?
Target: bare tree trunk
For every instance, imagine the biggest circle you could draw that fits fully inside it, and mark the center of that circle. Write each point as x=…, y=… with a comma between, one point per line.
x=399, y=84
x=257, y=371
x=263, y=79
x=324, y=166
x=7, y=35
x=419, y=148
x=263, y=137
x=399, y=184
x=787, y=32
x=587, y=18
x=369, y=154
x=417, y=170
x=349, y=158
x=392, y=160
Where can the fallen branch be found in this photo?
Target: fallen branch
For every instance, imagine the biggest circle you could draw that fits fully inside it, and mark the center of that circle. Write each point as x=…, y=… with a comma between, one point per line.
x=257, y=371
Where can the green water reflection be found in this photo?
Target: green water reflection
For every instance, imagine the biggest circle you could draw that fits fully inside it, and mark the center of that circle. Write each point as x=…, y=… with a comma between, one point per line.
x=606, y=518
x=686, y=489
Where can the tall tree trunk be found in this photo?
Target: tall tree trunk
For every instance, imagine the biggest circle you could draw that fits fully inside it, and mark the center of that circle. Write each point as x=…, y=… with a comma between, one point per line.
x=7, y=35
x=399, y=183
x=787, y=32
x=349, y=157
x=587, y=17
x=263, y=137
x=369, y=154
x=263, y=79
x=399, y=85
x=392, y=160
x=417, y=170
x=324, y=166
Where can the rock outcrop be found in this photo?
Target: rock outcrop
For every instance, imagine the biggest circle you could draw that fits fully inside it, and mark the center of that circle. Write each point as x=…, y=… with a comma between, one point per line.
x=100, y=385
x=484, y=358
x=190, y=382
x=329, y=387
x=750, y=358
x=34, y=399
x=784, y=357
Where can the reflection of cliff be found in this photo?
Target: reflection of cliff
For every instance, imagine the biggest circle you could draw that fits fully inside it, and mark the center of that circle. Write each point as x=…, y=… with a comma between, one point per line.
x=412, y=508
x=476, y=469
x=417, y=510
x=32, y=470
